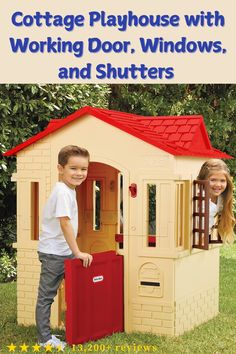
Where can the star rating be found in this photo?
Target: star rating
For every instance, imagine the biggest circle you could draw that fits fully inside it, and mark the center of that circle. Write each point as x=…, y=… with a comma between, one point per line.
x=24, y=347
x=48, y=348
x=11, y=347
x=59, y=348
x=36, y=347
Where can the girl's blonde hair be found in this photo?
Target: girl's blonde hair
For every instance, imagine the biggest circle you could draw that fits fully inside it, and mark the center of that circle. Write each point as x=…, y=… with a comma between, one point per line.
x=227, y=220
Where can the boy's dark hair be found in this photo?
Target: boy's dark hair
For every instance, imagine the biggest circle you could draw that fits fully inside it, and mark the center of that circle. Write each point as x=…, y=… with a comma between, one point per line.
x=71, y=150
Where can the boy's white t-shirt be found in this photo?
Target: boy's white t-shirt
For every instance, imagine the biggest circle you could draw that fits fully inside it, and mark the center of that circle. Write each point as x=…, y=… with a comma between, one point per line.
x=61, y=202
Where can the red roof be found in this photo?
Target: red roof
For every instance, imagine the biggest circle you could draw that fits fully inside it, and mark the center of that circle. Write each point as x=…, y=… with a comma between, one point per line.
x=177, y=135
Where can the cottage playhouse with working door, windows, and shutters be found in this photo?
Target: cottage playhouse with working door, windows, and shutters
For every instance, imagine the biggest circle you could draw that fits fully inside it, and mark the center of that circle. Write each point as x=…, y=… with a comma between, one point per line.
x=137, y=200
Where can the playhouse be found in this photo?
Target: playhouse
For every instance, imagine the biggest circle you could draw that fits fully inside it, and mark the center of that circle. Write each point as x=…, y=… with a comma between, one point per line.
x=137, y=200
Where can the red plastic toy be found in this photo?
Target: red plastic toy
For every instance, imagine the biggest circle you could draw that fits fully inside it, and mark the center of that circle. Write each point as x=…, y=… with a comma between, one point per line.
x=94, y=297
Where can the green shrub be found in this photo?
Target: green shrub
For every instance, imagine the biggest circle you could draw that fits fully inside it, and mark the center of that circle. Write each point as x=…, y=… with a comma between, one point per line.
x=7, y=233
x=7, y=267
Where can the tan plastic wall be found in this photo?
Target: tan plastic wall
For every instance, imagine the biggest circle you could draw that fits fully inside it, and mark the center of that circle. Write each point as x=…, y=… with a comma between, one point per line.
x=196, y=288
x=152, y=309
x=33, y=165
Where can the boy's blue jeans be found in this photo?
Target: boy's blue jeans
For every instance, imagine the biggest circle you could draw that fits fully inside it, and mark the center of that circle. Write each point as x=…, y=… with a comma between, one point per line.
x=52, y=273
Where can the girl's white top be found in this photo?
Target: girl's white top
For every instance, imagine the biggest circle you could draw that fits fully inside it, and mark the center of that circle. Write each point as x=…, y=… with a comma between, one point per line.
x=214, y=209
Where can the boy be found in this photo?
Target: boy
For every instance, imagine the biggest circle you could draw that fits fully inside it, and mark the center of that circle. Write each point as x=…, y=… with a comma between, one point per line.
x=57, y=241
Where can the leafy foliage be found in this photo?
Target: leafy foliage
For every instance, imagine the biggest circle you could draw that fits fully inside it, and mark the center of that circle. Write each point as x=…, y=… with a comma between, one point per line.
x=7, y=233
x=7, y=267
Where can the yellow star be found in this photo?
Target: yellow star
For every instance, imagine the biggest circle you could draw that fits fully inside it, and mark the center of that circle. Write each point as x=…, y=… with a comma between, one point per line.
x=59, y=348
x=11, y=347
x=48, y=348
x=36, y=347
x=24, y=347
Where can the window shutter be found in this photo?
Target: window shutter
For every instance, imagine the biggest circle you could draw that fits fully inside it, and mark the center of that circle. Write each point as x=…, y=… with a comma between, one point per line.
x=201, y=214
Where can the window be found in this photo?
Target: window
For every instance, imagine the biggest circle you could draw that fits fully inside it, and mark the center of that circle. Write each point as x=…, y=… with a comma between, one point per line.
x=214, y=236
x=119, y=236
x=151, y=214
x=120, y=206
x=96, y=205
x=182, y=214
x=120, y=227
x=34, y=210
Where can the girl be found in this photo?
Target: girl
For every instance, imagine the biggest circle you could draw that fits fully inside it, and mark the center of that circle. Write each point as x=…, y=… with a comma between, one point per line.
x=221, y=197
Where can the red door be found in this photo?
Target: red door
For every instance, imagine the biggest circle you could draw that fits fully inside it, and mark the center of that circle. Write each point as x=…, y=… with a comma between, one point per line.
x=94, y=297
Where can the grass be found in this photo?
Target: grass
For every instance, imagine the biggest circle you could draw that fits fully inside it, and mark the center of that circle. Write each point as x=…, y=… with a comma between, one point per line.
x=214, y=337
